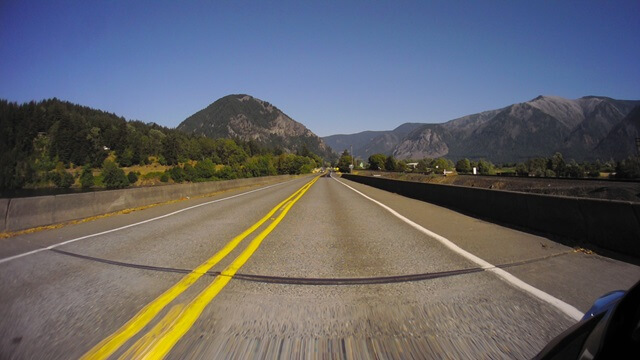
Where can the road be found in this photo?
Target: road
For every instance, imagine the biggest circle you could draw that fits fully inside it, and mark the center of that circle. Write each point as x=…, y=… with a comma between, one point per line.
x=311, y=268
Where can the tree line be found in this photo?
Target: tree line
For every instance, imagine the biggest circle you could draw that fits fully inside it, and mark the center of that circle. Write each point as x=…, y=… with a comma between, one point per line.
x=553, y=166
x=39, y=141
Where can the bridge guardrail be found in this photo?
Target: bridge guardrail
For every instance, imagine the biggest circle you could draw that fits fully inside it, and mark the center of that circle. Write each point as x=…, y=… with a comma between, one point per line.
x=24, y=213
x=609, y=224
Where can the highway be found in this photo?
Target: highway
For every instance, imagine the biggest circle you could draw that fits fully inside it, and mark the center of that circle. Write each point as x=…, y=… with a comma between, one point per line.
x=312, y=268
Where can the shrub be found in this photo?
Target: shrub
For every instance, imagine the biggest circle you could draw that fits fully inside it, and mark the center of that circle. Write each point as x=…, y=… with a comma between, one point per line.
x=112, y=176
x=226, y=173
x=177, y=174
x=62, y=179
x=132, y=177
x=86, y=178
x=205, y=169
x=190, y=173
x=164, y=177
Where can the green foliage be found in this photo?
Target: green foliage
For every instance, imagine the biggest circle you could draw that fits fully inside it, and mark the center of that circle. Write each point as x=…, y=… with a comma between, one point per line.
x=391, y=164
x=86, y=177
x=37, y=135
x=291, y=164
x=377, y=161
x=60, y=177
x=229, y=152
x=125, y=157
x=226, y=173
x=112, y=176
x=485, y=167
x=190, y=173
x=345, y=161
x=152, y=175
x=132, y=177
x=178, y=174
x=555, y=166
x=463, y=166
x=164, y=177
x=260, y=166
x=628, y=168
x=205, y=169
x=423, y=165
x=171, y=149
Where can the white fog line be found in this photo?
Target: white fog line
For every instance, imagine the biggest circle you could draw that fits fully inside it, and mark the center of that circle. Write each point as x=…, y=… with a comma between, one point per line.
x=135, y=224
x=569, y=310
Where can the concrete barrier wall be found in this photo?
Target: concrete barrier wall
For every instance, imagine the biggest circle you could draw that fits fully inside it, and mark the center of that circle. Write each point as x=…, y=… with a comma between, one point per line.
x=4, y=206
x=613, y=225
x=24, y=213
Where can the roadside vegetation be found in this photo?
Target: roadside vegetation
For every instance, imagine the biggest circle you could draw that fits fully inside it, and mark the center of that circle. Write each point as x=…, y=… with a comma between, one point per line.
x=58, y=144
x=554, y=166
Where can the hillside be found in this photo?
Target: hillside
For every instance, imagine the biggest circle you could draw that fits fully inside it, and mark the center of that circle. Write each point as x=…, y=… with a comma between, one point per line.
x=371, y=142
x=540, y=127
x=249, y=119
x=54, y=143
x=622, y=137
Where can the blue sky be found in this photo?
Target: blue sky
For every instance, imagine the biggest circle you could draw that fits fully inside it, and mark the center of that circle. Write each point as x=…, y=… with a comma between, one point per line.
x=335, y=66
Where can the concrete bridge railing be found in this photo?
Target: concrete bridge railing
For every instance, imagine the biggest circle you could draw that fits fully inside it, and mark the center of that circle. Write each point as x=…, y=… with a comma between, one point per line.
x=609, y=224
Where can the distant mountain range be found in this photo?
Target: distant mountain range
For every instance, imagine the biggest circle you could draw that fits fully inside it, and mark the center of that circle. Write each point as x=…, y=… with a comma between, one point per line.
x=588, y=128
x=371, y=142
x=247, y=118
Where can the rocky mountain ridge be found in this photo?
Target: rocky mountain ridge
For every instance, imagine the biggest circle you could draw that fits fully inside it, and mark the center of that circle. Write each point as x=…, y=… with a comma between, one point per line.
x=247, y=118
x=588, y=128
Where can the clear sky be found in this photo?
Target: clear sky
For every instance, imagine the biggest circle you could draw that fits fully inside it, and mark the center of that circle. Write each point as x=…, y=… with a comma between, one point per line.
x=335, y=66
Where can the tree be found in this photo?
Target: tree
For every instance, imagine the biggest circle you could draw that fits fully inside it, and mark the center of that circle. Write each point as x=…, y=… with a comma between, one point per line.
x=86, y=177
x=125, y=157
x=259, y=166
x=229, y=152
x=171, y=148
x=557, y=164
x=61, y=178
x=390, y=164
x=521, y=170
x=376, y=162
x=132, y=177
x=226, y=173
x=177, y=173
x=112, y=176
x=463, y=166
x=628, y=168
x=485, y=167
x=536, y=166
x=345, y=162
x=441, y=164
x=423, y=165
x=190, y=173
x=205, y=169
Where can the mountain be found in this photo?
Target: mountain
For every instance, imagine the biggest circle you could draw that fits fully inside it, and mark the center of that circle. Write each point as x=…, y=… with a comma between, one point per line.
x=247, y=118
x=540, y=127
x=622, y=137
x=370, y=142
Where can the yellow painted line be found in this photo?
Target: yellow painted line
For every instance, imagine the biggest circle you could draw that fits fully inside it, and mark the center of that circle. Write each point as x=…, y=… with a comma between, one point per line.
x=109, y=345
x=170, y=335
x=145, y=342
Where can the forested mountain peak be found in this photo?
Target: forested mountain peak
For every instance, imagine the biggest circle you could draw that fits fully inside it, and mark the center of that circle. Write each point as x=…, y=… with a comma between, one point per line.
x=48, y=138
x=244, y=117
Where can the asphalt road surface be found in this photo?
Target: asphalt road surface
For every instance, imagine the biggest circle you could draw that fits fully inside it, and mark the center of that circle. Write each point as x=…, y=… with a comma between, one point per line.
x=313, y=268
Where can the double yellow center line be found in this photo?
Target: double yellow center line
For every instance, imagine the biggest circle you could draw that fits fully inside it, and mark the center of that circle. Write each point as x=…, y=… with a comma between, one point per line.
x=166, y=333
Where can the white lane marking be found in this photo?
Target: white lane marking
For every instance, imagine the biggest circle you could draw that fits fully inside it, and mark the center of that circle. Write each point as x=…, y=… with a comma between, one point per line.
x=571, y=311
x=136, y=224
